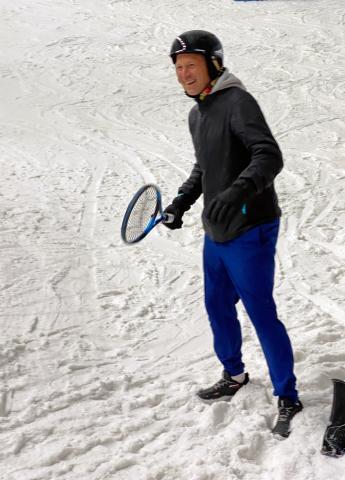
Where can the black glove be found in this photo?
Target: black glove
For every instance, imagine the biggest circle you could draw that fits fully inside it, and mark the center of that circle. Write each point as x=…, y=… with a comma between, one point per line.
x=178, y=207
x=227, y=204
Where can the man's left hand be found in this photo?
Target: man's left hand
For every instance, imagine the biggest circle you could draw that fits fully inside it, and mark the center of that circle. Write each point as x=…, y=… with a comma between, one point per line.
x=226, y=205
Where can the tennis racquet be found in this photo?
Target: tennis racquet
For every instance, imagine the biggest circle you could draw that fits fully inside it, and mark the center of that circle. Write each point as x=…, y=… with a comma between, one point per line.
x=143, y=213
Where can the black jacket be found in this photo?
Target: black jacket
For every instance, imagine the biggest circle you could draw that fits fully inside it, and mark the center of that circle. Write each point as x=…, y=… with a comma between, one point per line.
x=232, y=139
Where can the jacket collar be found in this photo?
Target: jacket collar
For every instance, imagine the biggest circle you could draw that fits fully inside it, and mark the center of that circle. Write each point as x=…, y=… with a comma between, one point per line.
x=224, y=81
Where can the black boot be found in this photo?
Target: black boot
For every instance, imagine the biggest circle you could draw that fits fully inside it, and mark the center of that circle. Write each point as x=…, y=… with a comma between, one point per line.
x=224, y=389
x=287, y=409
x=334, y=438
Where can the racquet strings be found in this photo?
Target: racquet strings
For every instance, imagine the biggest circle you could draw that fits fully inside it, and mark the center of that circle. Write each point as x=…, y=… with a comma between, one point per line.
x=144, y=209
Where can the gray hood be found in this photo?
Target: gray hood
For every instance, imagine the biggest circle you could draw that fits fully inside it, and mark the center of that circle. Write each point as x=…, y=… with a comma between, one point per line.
x=227, y=80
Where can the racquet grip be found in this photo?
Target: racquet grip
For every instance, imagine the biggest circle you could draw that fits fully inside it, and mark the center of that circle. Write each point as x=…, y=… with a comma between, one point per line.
x=168, y=218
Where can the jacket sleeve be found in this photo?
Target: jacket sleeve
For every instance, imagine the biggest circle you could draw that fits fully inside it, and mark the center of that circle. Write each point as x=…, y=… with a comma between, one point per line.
x=248, y=124
x=192, y=186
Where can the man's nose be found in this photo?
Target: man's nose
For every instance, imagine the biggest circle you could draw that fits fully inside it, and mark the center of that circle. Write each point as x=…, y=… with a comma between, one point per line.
x=185, y=73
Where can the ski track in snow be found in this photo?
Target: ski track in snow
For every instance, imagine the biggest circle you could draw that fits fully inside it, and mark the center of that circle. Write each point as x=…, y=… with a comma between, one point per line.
x=103, y=346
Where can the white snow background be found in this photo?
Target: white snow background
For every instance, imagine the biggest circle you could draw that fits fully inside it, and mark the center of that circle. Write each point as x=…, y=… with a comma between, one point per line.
x=103, y=346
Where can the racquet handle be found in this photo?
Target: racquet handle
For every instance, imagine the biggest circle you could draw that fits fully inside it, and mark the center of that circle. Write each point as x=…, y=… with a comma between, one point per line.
x=168, y=218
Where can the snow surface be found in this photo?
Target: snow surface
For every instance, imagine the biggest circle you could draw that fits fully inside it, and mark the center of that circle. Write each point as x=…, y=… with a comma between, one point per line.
x=102, y=345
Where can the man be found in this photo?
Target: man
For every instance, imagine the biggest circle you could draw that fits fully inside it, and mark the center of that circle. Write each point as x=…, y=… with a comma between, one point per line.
x=237, y=160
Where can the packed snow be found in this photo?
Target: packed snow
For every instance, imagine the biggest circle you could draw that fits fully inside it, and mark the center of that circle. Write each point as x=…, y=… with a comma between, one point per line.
x=103, y=346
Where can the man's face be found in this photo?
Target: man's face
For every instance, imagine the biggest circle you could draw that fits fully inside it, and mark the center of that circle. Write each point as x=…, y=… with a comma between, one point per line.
x=192, y=73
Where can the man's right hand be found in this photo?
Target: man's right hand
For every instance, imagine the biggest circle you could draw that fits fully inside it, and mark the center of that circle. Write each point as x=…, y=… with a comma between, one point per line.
x=178, y=207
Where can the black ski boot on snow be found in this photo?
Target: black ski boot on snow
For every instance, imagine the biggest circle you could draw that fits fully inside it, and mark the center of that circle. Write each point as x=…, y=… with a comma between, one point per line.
x=334, y=438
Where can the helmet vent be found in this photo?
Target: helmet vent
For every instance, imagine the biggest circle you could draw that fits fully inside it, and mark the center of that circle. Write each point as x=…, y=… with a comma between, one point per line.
x=183, y=45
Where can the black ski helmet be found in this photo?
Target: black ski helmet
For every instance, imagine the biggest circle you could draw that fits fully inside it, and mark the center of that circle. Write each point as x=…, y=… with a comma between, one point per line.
x=205, y=43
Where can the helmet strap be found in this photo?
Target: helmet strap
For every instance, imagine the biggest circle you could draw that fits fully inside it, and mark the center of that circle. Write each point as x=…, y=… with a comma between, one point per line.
x=216, y=63
x=214, y=68
x=200, y=97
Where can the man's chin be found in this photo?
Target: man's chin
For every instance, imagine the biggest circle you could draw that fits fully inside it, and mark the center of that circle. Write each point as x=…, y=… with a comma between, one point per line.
x=192, y=92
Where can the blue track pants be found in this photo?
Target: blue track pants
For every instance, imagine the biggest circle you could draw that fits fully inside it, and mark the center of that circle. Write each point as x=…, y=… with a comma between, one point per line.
x=243, y=268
